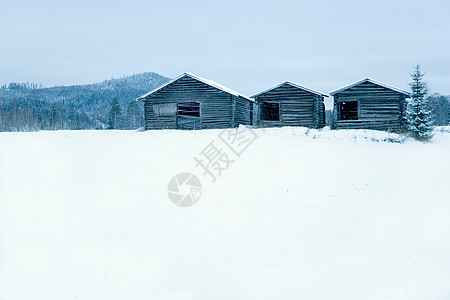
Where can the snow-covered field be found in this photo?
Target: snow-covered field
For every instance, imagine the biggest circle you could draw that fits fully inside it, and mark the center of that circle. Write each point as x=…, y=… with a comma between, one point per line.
x=301, y=214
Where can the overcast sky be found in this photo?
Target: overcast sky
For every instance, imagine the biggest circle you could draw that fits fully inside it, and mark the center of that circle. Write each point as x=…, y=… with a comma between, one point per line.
x=245, y=45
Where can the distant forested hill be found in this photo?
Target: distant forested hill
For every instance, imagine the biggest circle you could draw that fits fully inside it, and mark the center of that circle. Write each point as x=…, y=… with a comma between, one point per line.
x=28, y=107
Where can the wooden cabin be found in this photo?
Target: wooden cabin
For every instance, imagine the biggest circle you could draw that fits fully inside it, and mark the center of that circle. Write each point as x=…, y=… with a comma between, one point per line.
x=192, y=102
x=289, y=104
x=369, y=104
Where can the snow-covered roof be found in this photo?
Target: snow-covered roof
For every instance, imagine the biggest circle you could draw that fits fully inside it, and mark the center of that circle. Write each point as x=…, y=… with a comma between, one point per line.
x=198, y=78
x=371, y=81
x=291, y=84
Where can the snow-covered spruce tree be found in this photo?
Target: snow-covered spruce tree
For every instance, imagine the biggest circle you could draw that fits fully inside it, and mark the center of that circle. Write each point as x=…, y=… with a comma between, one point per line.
x=115, y=115
x=418, y=115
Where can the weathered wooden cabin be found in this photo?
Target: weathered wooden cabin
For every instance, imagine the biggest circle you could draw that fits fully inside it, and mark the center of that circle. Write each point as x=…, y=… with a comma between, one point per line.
x=192, y=102
x=289, y=104
x=369, y=104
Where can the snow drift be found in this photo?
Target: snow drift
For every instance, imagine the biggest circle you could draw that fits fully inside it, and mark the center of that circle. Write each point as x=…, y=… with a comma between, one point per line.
x=301, y=214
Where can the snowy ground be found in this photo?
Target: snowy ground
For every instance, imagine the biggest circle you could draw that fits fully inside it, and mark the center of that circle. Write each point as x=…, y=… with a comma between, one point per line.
x=300, y=215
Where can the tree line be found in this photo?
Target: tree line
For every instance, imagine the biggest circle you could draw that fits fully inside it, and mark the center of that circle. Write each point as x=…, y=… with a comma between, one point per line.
x=27, y=115
x=27, y=107
x=111, y=105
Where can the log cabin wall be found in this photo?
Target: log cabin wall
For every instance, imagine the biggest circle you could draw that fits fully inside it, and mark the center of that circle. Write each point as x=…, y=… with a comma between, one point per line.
x=218, y=109
x=378, y=108
x=297, y=107
x=243, y=112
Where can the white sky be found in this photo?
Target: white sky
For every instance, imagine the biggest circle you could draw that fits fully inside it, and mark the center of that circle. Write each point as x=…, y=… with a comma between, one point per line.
x=246, y=45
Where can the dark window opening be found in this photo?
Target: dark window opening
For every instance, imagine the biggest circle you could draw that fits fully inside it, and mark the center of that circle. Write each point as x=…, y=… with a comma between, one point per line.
x=189, y=109
x=348, y=110
x=270, y=111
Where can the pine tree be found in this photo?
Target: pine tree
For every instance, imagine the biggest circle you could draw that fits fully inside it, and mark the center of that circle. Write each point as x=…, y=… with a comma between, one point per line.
x=54, y=116
x=115, y=115
x=133, y=115
x=440, y=109
x=418, y=115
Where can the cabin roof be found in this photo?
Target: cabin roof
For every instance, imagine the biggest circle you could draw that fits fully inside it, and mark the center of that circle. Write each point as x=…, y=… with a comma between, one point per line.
x=371, y=81
x=293, y=85
x=198, y=78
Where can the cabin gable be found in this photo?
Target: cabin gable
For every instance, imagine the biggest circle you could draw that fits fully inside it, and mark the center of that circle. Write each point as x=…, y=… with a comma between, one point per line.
x=368, y=105
x=189, y=103
x=288, y=105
